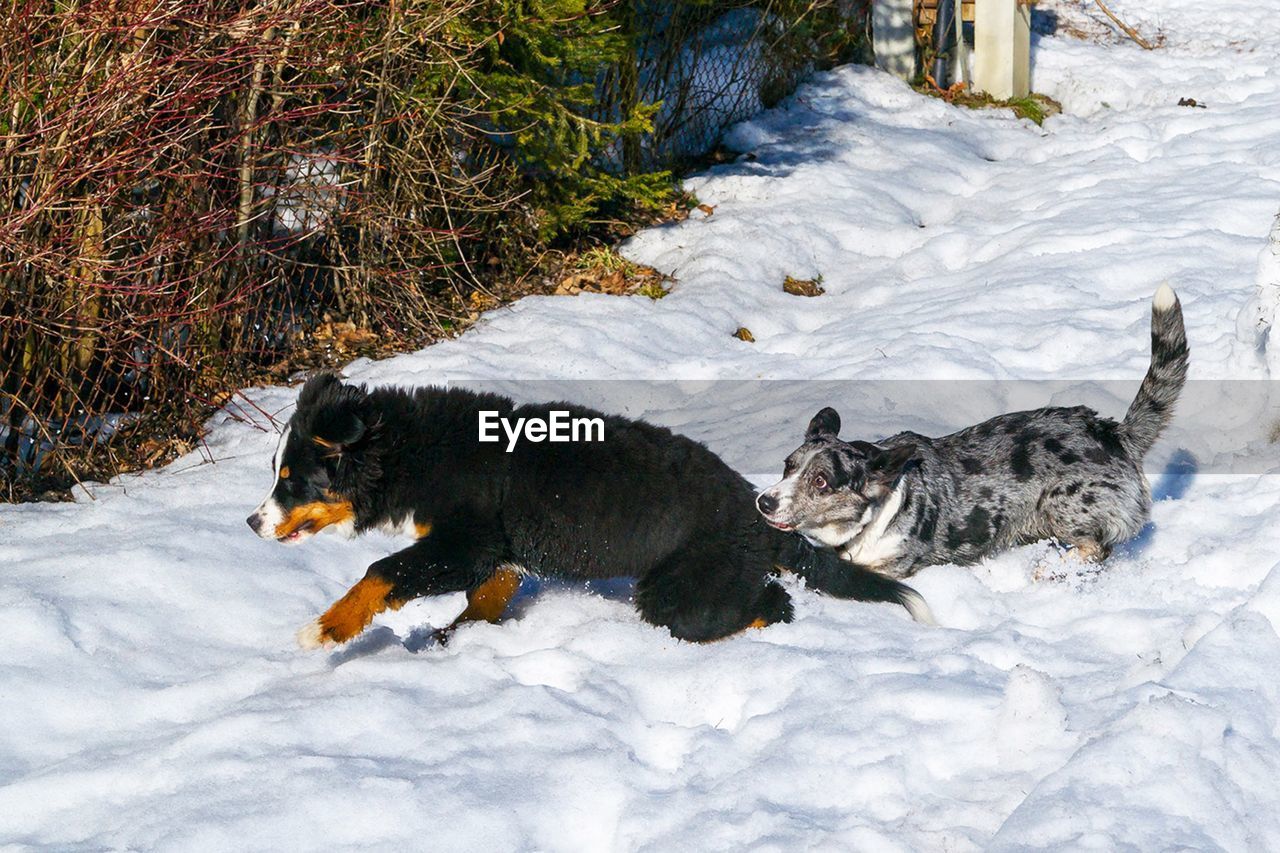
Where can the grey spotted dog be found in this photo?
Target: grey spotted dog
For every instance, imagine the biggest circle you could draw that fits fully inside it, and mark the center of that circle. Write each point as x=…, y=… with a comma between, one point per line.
x=1054, y=473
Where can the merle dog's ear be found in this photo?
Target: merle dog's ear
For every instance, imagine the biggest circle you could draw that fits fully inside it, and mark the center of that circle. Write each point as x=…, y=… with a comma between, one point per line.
x=888, y=462
x=825, y=424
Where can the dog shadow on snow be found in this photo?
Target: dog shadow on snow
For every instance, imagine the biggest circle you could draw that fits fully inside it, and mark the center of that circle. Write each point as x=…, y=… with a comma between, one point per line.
x=1175, y=481
x=371, y=642
x=429, y=637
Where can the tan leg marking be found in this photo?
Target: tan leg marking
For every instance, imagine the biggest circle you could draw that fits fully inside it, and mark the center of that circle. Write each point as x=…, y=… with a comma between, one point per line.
x=350, y=614
x=488, y=601
x=755, y=623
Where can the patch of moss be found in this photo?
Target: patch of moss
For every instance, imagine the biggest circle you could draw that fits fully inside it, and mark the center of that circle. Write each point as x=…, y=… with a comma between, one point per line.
x=605, y=259
x=1035, y=106
x=652, y=290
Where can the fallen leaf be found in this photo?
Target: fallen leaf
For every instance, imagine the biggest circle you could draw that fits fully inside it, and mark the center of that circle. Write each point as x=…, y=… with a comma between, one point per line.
x=802, y=286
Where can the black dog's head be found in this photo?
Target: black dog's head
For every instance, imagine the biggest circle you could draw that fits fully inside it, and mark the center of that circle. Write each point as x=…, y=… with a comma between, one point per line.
x=830, y=488
x=322, y=464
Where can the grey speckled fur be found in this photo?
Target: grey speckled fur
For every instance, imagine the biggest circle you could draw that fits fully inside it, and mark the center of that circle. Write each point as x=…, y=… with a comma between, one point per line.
x=1054, y=473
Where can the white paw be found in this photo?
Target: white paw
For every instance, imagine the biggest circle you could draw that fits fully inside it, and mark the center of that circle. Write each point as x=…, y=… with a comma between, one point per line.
x=311, y=636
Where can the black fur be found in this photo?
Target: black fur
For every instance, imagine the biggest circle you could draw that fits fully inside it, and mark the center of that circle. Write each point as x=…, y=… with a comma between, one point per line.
x=644, y=503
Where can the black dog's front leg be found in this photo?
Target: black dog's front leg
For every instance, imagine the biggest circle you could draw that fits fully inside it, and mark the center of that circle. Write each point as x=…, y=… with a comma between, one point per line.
x=454, y=557
x=824, y=571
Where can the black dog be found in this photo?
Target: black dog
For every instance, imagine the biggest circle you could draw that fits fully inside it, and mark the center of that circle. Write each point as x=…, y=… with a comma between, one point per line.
x=1053, y=473
x=643, y=502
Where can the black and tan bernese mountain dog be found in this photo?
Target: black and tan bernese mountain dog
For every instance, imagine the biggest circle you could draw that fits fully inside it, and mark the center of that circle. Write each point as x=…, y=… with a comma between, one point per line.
x=643, y=502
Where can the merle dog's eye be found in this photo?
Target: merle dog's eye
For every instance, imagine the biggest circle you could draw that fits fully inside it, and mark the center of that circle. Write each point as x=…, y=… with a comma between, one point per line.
x=819, y=482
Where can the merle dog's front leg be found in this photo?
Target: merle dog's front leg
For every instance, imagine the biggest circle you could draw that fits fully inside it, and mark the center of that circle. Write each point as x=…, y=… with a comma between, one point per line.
x=452, y=558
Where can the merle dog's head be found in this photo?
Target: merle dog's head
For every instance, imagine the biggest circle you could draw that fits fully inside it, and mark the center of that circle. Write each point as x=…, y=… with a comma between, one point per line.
x=830, y=488
x=322, y=463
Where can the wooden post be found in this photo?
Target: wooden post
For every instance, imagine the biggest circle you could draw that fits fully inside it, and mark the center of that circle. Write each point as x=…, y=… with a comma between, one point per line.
x=893, y=37
x=1002, y=48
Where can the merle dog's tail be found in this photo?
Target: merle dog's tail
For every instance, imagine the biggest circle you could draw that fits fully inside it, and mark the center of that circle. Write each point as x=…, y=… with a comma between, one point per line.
x=824, y=571
x=1151, y=411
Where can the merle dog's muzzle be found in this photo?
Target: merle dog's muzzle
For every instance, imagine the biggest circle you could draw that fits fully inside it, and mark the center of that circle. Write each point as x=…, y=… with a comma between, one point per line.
x=768, y=504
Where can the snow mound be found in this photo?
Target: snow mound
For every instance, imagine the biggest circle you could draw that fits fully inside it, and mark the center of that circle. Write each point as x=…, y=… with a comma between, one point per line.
x=153, y=697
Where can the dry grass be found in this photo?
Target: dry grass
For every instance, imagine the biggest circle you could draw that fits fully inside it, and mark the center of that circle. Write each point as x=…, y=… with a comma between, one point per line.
x=603, y=270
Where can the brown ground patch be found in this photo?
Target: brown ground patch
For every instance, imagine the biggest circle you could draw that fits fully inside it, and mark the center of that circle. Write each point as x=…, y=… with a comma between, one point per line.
x=602, y=270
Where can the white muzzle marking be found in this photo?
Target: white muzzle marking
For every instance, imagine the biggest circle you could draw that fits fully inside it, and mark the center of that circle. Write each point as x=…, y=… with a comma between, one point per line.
x=269, y=513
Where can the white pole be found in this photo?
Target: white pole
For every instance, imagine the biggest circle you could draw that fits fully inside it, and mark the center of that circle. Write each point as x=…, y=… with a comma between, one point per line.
x=1002, y=48
x=893, y=37
x=961, y=74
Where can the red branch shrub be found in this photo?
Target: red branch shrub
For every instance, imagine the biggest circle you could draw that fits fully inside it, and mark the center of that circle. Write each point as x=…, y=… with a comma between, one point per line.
x=191, y=190
x=186, y=185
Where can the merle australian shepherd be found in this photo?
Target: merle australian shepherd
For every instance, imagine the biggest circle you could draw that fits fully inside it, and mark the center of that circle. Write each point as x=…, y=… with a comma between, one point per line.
x=643, y=503
x=911, y=501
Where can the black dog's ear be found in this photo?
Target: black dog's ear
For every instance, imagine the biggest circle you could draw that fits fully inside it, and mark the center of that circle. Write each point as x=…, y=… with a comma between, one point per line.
x=316, y=388
x=825, y=424
x=338, y=428
x=888, y=462
x=336, y=414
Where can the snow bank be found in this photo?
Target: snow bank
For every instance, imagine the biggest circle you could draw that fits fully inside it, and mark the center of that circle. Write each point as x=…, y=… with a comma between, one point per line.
x=152, y=697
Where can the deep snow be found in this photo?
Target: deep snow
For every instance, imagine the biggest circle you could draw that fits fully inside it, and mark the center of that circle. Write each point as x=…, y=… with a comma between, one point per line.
x=152, y=697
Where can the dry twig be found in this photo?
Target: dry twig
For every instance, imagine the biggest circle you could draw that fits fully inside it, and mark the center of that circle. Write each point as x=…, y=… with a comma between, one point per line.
x=1128, y=30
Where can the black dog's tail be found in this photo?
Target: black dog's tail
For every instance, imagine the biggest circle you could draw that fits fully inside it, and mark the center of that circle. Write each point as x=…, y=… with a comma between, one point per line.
x=1151, y=411
x=824, y=571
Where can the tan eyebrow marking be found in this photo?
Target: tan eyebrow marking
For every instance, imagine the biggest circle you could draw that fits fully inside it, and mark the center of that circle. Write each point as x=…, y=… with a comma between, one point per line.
x=284, y=473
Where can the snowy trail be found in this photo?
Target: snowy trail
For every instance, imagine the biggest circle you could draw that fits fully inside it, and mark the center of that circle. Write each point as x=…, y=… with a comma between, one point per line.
x=152, y=696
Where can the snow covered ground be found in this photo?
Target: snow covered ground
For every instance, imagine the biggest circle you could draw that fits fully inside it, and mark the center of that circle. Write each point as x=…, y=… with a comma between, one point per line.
x=151, y=695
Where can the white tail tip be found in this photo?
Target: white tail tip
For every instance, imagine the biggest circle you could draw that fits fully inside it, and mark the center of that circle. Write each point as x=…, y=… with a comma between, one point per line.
x=309, y=636
x=918, y=608
x=1165, y=298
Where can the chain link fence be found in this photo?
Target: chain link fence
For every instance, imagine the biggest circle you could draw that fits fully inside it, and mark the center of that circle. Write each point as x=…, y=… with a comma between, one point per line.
x=711, y=65
x=194, y=195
